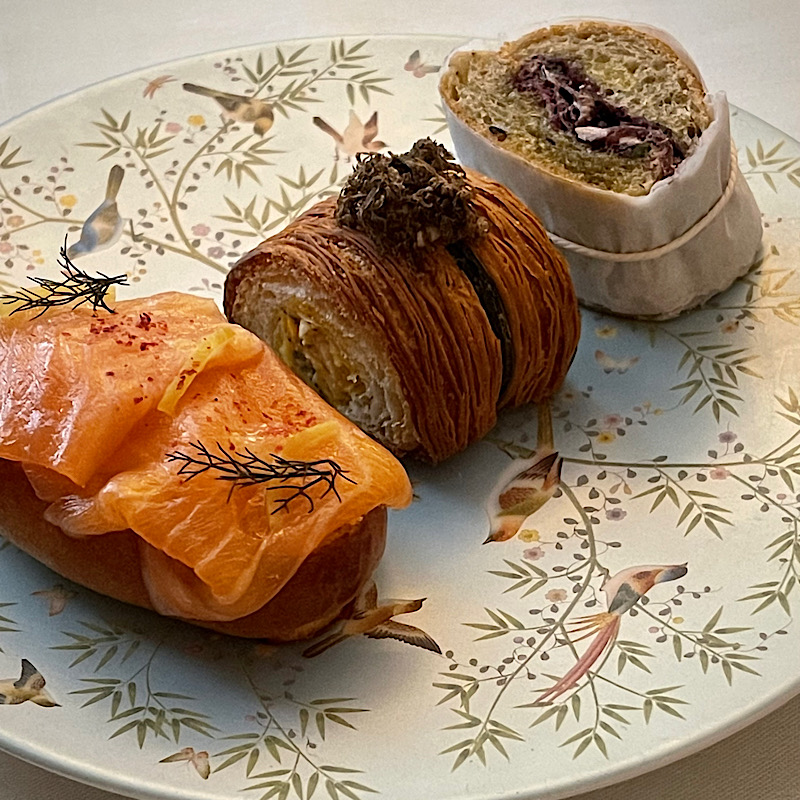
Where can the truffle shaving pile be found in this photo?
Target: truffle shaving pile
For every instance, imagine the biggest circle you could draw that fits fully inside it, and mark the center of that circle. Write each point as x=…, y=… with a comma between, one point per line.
x=409, y=201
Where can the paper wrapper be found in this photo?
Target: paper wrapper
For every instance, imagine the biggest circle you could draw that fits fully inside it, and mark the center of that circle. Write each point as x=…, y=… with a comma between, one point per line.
x=647, y=256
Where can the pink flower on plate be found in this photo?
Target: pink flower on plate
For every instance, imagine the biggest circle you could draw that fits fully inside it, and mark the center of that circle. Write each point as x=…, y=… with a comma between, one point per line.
x=613, y=420
x=15, y=221
x=6, y=248
x=718, y=474
x=616, y=514
x=201, y=230
x=173, y=127
x=533, y=553
x=726, y=437
x=556, y=596
x=216, y=252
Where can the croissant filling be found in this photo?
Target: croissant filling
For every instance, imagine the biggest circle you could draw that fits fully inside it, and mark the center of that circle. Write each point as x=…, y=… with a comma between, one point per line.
x=351, y=378
x=418, y=345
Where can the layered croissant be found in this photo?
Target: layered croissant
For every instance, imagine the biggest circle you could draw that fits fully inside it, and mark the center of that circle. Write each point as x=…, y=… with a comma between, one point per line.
x=416, y=336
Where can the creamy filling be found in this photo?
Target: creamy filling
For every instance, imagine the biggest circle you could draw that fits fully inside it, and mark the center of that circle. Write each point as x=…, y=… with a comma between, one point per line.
x=360, y=390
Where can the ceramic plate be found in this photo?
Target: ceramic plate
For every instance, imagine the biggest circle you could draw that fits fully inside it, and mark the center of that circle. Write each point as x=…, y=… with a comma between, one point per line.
x=680, y=444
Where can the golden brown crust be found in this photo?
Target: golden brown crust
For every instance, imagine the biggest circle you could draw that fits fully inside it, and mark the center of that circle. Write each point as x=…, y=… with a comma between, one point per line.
x=426, y=317
x=324, y=584
x=534, y=282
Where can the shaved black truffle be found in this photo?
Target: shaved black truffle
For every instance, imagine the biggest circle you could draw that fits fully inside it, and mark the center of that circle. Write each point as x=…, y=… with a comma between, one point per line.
x=409, y=201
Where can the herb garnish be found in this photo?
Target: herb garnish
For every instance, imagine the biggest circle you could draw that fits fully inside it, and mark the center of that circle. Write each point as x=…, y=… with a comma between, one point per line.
x=76, y=288
x=248, y=469
x=406, y=202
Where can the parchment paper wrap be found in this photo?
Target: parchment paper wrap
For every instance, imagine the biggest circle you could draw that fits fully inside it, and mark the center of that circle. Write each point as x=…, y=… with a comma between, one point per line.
x=680, y=274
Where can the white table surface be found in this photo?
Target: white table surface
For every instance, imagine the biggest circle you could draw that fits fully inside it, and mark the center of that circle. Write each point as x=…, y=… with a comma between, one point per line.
x=749, y=49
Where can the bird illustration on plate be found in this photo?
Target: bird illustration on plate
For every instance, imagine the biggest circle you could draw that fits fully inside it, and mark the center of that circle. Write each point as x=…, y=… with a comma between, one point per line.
x=239, y=107
x=357, y=137
x=375, y=620
x=197, y=758
x=531, y=487
x=623, y=591
x=29, y=686
x=104, y=225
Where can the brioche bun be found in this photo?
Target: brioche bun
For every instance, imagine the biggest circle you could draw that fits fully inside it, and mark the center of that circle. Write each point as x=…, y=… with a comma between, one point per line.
x=110, y=564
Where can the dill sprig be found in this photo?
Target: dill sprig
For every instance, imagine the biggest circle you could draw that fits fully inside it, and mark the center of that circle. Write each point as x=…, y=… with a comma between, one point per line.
x=76, y=288
x=247, y=469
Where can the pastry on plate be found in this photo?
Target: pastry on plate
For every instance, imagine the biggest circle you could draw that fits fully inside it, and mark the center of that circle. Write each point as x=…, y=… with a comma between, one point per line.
x=165, y=457
x=418, y=303
x=607, y=132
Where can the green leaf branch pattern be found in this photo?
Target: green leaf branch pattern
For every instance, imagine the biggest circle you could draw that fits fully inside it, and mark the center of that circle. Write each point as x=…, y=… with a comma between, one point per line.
x=238, y=160
x=178, y=164
x=712, y=643
x=531, y=644
x=770, y=479
x=771, y=164
x=536, y=627
x=295, y=194
x=714, y=362
x=135, y=707
x=713, y=369
x=289, y=733
x=768, y=291
x=7, y=623
x=17, y=213
x=291, y=82
x=7, y=158
x=717, y=367
x=280, y=752
x=440, y=121
x=784, y=549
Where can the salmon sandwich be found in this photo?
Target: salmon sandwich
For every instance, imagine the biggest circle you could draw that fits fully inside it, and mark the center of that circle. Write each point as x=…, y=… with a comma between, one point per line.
x=163, y=456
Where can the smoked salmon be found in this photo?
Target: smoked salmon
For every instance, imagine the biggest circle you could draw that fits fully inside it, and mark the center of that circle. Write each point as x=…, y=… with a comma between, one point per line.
x=105, y=410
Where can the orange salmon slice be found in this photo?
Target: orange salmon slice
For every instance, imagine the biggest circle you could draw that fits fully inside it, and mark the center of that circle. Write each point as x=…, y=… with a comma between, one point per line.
x=74, y=384
x=210, y=550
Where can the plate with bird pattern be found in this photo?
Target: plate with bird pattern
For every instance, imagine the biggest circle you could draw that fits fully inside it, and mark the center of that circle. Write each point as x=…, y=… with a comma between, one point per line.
x=610, y=580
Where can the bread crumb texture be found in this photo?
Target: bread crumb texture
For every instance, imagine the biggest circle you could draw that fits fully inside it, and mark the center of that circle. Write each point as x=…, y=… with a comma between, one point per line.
x=636, y=70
